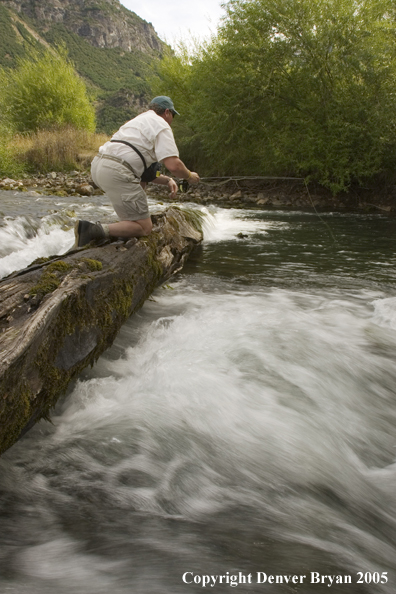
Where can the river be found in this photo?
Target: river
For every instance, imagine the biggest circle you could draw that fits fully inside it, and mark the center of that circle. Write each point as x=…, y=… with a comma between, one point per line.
x=241, y=432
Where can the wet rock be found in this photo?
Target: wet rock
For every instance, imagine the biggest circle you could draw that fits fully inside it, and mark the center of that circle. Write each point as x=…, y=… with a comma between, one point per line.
x=7, y=182
x=260, y=194
x=85, y=189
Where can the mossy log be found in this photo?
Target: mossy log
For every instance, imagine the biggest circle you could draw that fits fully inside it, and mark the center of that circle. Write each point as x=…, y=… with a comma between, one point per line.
x=59, y=316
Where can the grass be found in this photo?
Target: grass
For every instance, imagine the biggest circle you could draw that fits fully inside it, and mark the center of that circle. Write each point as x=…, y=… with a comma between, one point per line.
x=56, y=150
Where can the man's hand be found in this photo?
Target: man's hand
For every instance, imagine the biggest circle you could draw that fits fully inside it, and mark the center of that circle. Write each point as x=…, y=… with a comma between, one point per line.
x=172, y=187
x=178, y=169
x=193, y=178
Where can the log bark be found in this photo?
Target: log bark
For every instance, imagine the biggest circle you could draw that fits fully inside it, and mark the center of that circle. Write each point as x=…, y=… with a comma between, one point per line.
x=59, y=316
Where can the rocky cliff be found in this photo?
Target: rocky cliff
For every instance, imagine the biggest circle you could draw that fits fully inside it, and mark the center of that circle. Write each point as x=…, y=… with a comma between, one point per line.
x=103, y=23
x=112, y=48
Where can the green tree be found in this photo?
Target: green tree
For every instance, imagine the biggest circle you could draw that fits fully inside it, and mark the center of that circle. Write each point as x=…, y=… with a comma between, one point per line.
x=297, y=87
x=44, y=92
x=176, y=78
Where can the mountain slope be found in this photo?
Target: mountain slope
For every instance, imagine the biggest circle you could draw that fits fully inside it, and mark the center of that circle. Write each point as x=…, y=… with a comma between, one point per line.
x=111, y=47
x=103, y=23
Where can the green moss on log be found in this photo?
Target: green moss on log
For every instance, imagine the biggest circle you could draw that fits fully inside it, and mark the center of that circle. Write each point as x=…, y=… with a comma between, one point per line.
x=42, y=260
x=15, y=409
x=51, y=278
x=110, y=310
x=93, y=265
x=195, y=218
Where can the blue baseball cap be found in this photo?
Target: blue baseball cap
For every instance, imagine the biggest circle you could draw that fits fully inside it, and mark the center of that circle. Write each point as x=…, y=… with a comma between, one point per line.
x=164, y=102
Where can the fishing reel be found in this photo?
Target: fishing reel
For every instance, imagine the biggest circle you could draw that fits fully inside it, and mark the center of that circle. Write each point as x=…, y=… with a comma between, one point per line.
x=183, y=186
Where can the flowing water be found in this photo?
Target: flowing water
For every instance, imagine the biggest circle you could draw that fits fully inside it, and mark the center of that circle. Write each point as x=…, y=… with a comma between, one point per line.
x=240, y=433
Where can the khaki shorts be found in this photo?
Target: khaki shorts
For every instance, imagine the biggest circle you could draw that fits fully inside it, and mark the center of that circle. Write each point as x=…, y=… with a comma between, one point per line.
x=128, y=198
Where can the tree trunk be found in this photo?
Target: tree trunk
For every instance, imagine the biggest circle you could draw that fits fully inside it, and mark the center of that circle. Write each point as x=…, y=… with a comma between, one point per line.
x=58, y=316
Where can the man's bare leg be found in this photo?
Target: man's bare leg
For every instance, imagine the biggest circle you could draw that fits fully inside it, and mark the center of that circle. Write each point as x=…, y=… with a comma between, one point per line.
x=86, y=232
x=126, y=229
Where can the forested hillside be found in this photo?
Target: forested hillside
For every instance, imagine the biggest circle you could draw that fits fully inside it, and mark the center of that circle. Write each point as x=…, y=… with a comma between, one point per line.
x=112, y=48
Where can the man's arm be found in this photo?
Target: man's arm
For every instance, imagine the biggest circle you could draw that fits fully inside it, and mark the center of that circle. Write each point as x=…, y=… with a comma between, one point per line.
x=164, y=180
x=177, y=167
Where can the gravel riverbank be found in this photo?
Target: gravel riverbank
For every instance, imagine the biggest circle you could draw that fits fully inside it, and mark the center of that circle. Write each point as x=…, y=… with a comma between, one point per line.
x=235, y=193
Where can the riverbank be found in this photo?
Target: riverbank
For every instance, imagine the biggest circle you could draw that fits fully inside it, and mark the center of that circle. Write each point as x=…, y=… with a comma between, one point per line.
x=236, y=193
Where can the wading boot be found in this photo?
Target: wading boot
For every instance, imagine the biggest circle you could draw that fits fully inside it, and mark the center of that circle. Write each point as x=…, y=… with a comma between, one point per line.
x=86, y=232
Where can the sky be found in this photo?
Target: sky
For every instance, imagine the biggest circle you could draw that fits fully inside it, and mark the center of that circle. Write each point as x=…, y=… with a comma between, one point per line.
x=176, y=20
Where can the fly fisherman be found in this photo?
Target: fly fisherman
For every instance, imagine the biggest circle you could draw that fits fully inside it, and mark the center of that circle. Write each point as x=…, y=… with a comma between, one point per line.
x=124, y=166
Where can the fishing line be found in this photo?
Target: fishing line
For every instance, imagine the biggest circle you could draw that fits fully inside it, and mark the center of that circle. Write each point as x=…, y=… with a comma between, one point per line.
x=321, y=218
x=184, y=186
x=226, y=179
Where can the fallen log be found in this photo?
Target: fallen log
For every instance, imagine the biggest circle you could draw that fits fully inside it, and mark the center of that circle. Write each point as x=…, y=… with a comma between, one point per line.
x=59, y=316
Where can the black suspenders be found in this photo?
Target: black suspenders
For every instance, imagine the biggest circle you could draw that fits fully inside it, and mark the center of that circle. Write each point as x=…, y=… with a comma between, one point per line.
x=134, y=148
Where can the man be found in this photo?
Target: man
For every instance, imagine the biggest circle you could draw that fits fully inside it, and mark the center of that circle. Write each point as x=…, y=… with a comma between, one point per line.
x=120, y=165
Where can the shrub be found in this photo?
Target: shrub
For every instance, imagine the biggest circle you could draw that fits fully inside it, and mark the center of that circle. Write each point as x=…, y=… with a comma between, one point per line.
x=44, y=91
x=177, y=73
x=10, y=165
